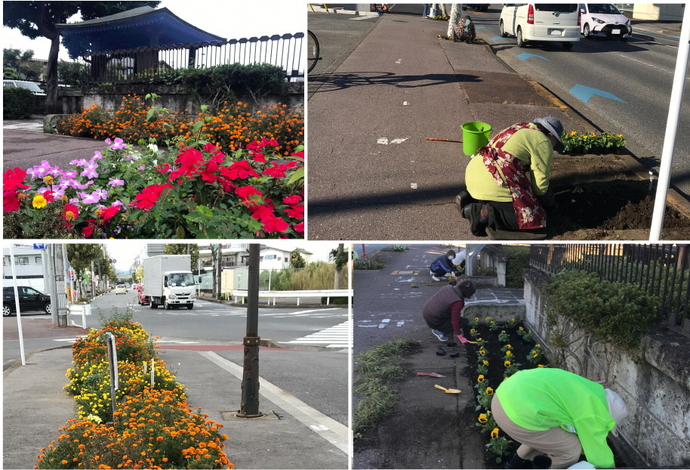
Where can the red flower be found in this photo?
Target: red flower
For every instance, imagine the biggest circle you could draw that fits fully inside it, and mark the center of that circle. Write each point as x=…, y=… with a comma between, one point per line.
x=71, y=212
x=241, y=169
x=109, y=213
x=190, y=158
x=10, y=201
x=87, y=231
x=263, y=212
x=299, y=227
x=277, y=170
x=275, y=224
x=13, y=179
x=292, y=199
x=258, y=157
x=246, y=192
x=296, y=212
x=148, y=196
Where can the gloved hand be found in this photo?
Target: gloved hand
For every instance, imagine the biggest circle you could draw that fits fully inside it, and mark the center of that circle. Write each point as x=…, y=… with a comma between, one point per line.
x=548, y=201
x=462, y=339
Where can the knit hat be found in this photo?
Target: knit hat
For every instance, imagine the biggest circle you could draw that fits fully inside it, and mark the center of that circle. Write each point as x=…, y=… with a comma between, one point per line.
x=617, y=408
x=552, y=125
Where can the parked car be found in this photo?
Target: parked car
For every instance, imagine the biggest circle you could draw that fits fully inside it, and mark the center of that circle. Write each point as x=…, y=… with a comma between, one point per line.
x=32, y=86
x=120, y=289
x=541, y=22
x=143, y=299
x=605, y=20
x=29, y=299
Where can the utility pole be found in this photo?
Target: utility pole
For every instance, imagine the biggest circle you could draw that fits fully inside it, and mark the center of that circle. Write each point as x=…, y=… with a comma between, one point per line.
x=249, y=407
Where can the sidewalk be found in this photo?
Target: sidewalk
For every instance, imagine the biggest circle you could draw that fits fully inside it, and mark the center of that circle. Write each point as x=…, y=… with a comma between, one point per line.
x=400, y=86
x=291, y=434
x=429, y=429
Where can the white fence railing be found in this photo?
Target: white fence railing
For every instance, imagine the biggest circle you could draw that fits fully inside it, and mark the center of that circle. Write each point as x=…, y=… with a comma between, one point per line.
x=293, y=294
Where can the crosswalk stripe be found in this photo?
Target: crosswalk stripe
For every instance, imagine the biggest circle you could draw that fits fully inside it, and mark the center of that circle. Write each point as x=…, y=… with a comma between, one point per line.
x=337, y=336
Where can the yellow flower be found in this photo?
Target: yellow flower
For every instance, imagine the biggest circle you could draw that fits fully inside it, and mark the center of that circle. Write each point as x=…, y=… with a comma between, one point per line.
x=541, y=365
x=48, y=179
x=39, y=201
x=485, y=362
x=483, y=418
x=494, y=433
x=508, y=346
x=480, y=379
x=506, y=363
x=509, y=353
x=489, y=391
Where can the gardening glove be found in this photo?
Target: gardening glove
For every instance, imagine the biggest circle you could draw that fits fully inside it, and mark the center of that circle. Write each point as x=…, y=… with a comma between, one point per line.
x=548, y=201
x=462, y=339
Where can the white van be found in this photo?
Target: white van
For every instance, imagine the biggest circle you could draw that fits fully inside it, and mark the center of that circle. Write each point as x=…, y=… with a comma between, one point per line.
x=537, y=22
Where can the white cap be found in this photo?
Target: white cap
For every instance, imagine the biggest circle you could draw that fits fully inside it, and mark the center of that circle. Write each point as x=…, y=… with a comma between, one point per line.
x=617, y=408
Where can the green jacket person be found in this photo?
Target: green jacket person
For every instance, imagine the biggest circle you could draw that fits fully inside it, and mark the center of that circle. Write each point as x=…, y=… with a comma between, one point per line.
x=557, y=413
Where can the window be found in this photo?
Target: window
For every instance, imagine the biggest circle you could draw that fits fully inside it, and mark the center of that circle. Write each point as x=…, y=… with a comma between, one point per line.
x=270, y=257
x=23, y=260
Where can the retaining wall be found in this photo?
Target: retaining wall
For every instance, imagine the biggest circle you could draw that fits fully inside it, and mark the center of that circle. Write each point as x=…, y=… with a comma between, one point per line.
x=655, y=384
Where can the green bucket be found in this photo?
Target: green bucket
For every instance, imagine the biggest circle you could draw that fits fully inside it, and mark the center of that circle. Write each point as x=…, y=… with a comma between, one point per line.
x=475, y=134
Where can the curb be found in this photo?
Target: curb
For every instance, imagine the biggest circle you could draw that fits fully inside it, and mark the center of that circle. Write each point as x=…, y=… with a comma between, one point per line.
x=337, y=10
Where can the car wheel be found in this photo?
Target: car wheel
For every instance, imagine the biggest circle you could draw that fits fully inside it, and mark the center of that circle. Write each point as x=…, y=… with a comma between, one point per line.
x=568, y=45
x=153, y=304
x=48, y=308
x=190, y=306
x=167, y=306
x=520, y=42
x=586, y=31
x=502, y=29
x=6, y=311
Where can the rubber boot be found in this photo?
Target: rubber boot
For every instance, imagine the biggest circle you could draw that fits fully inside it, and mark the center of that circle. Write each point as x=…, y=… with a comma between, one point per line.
x=517, y=462
x=542, y=461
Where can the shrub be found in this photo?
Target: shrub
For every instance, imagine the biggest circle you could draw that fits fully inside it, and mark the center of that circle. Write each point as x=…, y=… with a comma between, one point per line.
x=372, y=263
x=614, y=312
x=215, y=85
x=18, y=103
x=518, y=261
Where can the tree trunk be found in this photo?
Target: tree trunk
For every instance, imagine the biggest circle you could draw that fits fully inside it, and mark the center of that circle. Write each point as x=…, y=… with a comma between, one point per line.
x=455, y=15
x=52, y=76
x=338, y=268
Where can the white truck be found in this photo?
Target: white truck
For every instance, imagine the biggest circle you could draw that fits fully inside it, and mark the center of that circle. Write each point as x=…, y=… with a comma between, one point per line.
x=168, y=281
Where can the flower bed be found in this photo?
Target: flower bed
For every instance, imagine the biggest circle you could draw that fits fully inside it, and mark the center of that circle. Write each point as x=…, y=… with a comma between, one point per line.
x=582, y=143
x=153, y=427
x=230, y=128
x=501, y=350
x=196, y=192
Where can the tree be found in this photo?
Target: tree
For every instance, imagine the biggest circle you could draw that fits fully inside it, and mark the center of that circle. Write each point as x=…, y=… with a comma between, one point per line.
x=184, y=249
x=81, y=256
x=339, y=256
x=453, y=20
x=296, y=259
x=39, y=19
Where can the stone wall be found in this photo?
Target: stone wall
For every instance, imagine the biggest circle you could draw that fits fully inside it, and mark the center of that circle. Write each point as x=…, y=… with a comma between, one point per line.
x=655, y=383
x=176, y=99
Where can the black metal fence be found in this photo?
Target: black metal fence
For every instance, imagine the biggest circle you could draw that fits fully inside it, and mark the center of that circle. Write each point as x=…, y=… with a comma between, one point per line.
x=662, y=270
x=159, y=64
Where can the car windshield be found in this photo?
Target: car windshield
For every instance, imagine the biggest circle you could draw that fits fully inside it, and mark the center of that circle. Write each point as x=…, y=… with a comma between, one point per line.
x=181, y=280
x=30, y=86
x=603, y=8
x=556, y=7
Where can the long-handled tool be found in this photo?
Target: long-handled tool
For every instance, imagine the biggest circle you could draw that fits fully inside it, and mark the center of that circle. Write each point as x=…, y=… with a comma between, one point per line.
x=438, y=139
x=430, y=374
x=447, y=390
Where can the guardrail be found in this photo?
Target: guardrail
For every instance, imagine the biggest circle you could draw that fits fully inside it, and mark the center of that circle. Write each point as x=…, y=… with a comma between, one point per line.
x=293, y=294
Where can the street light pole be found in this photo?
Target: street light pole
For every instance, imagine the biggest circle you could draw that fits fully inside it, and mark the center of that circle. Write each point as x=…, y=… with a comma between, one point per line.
x=250, y=378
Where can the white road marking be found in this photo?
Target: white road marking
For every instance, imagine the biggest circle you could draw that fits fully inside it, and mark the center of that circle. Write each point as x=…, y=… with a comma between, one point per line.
x=326, y=427
x=337, y=336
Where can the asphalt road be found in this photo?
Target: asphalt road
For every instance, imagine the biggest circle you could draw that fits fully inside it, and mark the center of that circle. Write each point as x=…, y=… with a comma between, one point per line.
x=304, y=360
x=631, y=84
